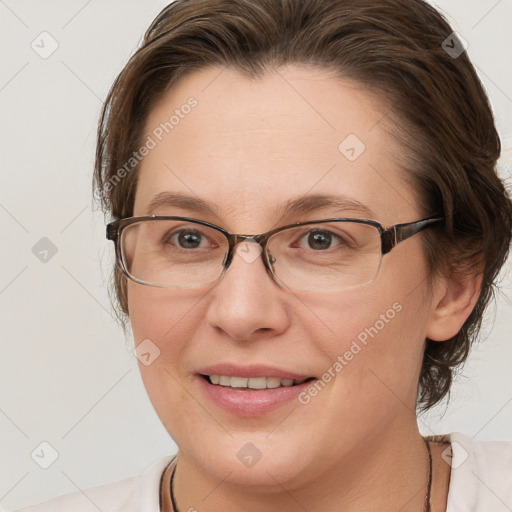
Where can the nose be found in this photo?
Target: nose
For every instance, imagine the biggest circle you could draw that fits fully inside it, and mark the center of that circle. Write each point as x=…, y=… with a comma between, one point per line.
x=246, y=303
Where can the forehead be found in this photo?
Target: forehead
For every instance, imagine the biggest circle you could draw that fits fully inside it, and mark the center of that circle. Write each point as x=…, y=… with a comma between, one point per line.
x=248, y=145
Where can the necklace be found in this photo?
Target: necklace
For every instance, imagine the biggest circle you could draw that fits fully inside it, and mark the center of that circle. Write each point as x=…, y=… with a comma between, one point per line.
x=426, y=506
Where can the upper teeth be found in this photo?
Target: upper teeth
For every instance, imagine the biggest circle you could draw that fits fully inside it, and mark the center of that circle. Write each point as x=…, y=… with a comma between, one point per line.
x=251, y=382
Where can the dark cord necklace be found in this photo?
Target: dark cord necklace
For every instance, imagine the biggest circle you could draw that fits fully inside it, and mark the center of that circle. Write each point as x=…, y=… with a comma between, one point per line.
x=426, y=506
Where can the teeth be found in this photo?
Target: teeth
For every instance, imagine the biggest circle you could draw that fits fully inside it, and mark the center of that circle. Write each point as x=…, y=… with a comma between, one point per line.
x=238, y=382
x=257, y=383
x=225, y=381
x=252, y=382
x=273, y=382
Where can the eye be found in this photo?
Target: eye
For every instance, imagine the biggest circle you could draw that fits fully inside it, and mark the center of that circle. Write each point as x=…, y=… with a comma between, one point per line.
x=188, y=239
x=320, y=239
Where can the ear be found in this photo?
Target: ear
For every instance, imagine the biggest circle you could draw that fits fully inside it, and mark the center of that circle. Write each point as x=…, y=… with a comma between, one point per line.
x=454, y=298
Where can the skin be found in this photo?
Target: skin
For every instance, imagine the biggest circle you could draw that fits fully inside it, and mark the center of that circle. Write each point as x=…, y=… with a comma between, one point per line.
x=248, y=147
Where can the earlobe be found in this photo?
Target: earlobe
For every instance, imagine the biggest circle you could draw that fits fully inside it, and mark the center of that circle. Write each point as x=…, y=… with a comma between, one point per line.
x=453, y=302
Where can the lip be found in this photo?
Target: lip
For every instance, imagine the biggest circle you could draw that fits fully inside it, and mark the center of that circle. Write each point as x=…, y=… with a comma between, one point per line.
x=251, y=403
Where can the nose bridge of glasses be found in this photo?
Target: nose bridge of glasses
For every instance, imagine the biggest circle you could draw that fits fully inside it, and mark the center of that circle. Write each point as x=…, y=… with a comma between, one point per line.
x=248, y=247
x=251, y=239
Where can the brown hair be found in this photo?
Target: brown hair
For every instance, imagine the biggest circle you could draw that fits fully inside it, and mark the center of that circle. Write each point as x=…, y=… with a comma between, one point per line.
x=393, y=47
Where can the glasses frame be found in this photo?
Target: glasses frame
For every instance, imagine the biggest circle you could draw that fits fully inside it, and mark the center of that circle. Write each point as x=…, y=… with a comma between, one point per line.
x=390, y=238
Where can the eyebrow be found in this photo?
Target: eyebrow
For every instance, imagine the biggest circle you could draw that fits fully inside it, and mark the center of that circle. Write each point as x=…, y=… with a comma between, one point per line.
x=177, y=200
x=310, y=203
x=295, y=206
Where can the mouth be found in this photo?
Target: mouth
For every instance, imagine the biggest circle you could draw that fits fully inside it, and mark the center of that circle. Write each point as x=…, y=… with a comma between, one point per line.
x=253, y=391
x=253, y=383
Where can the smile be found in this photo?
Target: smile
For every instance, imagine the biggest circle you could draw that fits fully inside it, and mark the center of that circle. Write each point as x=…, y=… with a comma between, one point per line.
x=252, y=396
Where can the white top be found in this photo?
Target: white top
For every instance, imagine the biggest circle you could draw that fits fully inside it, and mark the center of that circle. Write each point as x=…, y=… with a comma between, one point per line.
x=481, y=481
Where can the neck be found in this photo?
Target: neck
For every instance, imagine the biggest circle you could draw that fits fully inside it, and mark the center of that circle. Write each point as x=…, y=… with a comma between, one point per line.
x=388, y=473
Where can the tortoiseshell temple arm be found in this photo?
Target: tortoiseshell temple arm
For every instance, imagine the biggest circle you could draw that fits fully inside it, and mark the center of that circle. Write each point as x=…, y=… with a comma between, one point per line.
x=400, y=232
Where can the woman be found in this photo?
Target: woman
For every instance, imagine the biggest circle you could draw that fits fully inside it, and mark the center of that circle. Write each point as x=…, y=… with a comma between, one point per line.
x=352, y=149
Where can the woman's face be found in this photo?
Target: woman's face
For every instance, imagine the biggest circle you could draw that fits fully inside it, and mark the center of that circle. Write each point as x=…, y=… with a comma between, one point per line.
x=249, y=148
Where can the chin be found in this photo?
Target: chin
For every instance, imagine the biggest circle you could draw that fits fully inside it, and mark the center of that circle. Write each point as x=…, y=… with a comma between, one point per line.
x=251, y=460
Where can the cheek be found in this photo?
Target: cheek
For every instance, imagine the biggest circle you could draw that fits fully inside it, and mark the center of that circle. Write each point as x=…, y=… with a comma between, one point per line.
x=370, y=362
x=162, y=321
x=164, y=316
x=366, y=330
x=392, y=348
x=374, y=350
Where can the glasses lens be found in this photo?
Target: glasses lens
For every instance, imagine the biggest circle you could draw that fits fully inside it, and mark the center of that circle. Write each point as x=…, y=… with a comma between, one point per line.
x=326, y=256
x=173, y=253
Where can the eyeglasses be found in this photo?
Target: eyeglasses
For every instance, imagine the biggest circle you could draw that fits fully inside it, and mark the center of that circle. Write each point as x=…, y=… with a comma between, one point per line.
x=329, y=254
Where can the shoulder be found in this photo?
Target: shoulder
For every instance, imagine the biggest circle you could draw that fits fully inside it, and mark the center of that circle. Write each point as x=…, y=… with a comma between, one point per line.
x=138, y=493
x=481, y=474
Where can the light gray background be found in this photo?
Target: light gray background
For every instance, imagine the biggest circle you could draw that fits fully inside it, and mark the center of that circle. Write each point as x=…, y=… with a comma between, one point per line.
x=67, y=374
